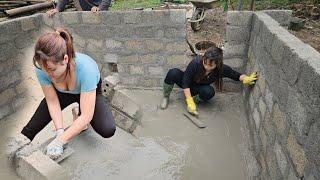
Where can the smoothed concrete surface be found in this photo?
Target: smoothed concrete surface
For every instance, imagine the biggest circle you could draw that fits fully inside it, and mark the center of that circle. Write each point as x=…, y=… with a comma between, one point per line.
x=166, y=146
x=213, y=152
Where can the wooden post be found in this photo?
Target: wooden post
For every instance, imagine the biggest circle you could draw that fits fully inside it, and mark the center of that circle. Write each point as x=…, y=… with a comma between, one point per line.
x=240, y=3
x=252, y=5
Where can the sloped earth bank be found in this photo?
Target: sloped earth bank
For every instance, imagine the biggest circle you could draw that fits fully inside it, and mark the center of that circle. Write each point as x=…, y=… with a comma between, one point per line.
x=310, y=34
x=213, y=29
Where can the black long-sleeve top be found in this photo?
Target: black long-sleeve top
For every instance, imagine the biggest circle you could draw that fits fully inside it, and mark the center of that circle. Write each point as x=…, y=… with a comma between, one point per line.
x=195, y=66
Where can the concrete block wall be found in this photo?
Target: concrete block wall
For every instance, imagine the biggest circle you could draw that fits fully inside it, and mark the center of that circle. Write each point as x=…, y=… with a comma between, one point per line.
x=238, y=30
x=155, y=44
x=143, y=44
x=16, y=40
x=284, y=105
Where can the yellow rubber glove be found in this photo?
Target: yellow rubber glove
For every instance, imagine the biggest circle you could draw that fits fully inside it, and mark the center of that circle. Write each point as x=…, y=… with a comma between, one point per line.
x=191, y=106
x=250, y=80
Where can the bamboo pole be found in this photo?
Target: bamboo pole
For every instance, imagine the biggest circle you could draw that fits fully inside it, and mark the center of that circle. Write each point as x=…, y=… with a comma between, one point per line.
x=20, y=10
x=36, y=1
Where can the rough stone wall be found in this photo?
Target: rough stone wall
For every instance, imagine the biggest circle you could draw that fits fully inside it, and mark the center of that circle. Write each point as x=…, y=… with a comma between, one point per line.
x=143, y=44
x=284, y=105
x=238, y=34
x=237, y=42
x=154, y=44
x=17, y=37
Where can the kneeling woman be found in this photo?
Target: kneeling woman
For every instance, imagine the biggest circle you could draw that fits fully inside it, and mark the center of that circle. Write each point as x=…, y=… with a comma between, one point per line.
x=200, y=73
x=67, y=77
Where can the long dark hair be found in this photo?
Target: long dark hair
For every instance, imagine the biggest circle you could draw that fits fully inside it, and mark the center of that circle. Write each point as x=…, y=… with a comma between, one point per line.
x=53, y=46
x=212, y=54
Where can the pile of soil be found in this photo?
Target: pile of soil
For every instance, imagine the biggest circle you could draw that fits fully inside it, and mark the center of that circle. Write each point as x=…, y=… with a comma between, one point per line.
x=310, y=33
x=213, y=28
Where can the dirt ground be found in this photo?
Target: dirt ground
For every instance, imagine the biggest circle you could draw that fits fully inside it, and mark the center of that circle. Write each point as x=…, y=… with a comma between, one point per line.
x=213, y=28
x=310, y=34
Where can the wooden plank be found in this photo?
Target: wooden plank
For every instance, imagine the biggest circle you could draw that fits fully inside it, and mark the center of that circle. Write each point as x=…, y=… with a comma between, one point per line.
x=35, y=1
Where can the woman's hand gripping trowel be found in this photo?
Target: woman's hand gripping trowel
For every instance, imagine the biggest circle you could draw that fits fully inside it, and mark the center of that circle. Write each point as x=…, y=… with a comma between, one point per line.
x=193, y=114
x=67, y=151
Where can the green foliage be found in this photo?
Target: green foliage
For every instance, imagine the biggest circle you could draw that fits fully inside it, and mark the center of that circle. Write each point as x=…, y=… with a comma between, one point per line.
x=295, y=1
x=259, y=4
x=224, y=4
x=130, y=4
x=179, y=1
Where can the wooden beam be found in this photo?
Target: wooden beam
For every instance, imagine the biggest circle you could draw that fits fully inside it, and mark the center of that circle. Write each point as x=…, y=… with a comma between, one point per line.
x=14, y=2
x=34, y=7
x=36, y=1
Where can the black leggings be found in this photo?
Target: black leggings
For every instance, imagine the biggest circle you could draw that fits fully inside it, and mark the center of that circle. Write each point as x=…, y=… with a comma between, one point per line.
x=175, y=76
x=102, y=122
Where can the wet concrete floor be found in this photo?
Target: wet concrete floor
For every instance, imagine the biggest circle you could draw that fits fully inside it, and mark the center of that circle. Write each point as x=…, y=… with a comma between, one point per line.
x=167, y=146
x=213, y=152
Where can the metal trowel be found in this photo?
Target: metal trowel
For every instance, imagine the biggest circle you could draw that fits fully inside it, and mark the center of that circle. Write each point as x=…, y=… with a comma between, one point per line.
x=195, y=120
x=68, y=151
